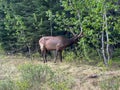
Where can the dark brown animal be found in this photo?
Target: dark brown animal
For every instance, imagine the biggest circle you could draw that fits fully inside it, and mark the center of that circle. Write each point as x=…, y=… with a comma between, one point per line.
x=57, y=43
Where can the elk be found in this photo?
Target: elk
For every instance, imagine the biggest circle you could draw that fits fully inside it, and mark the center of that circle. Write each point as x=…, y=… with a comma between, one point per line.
x=57, y=43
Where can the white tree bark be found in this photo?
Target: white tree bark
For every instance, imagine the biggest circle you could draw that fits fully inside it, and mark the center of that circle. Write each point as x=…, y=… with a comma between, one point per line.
x=105, y=49
x=107, y=38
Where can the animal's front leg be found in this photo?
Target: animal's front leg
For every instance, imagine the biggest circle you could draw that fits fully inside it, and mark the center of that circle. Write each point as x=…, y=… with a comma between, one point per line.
x=60, y=55
x=56, y=54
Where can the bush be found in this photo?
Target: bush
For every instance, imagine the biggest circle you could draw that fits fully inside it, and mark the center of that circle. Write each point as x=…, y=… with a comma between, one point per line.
x=7, y=84
x=36, y=75
x=69, y=56
x=22, y=85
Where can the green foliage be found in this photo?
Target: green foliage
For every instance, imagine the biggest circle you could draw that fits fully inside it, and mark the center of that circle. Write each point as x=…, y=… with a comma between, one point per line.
x=1, y=49
x=116, y=53
x=116, y=58
x=22, y=85
x=88, y=15
x=36, y=55
x=23, y=22
x=69, y=56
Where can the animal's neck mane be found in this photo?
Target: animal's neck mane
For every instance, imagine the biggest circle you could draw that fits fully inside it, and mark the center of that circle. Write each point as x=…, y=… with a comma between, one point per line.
x=73, y=40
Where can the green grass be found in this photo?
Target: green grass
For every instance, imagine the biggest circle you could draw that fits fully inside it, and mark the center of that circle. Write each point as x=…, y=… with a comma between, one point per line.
x=7, y=84
x=37, y=77
x=111, y=84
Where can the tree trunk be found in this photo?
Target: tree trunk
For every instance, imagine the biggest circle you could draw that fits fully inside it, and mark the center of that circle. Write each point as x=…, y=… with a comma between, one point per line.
x=107, y=38
x=103, y=49
x=51, y=29
x=29, y=51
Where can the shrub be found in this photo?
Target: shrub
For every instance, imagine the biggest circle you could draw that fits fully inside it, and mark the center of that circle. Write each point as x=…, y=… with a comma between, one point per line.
x=69, y=56
x=36, y=75
x=22, y=85
x=7, y=84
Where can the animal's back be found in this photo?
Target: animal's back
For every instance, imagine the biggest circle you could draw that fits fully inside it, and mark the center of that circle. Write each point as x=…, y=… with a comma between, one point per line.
x=56, y=42
x=52, y=42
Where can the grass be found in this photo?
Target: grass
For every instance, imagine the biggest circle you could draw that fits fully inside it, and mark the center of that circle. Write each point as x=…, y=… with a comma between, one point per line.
x=29, y=74
x=111, y=84
x=37, y=77
x=7, y=84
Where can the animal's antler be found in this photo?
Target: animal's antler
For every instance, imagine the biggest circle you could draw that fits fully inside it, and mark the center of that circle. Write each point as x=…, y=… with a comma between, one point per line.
x=72, y=31
x=81, y=33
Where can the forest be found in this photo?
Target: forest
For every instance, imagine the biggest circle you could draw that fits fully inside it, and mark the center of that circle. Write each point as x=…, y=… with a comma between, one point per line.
x=91, y=63
x=24, y=22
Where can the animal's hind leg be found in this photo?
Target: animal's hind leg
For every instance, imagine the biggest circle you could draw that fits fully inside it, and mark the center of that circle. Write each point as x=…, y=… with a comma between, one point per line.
x=44, y=56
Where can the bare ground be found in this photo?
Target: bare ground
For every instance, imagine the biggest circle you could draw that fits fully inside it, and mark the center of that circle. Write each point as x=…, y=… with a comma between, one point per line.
x=85, y=77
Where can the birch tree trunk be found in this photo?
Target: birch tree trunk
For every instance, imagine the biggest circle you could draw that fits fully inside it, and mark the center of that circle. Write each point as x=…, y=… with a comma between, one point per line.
x=107, y=38
x=105, y=49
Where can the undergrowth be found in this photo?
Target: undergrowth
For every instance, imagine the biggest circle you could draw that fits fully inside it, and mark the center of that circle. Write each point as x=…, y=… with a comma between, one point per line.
x=37, y=77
